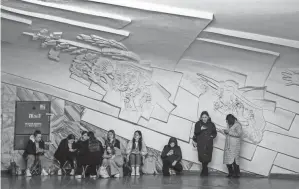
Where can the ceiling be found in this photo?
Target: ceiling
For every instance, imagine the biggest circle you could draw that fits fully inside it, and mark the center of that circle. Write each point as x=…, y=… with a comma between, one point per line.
x=276, y=18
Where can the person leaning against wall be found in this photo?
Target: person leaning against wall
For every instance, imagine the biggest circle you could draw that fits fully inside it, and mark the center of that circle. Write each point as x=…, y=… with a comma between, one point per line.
x=34, y=154
x=204, y=134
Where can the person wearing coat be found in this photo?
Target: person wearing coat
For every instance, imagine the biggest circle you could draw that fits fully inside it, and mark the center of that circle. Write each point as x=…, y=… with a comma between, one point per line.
x=171, y=157
x=112, y=141
x=136, y=150
x=82, y=154
x=204, y=134
x=113, y=163
x=66, y=152
x=232, y=147
x=95, y=154
x=34, y=151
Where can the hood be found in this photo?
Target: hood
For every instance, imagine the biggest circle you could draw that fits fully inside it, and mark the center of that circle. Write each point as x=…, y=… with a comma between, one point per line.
x=172, y=139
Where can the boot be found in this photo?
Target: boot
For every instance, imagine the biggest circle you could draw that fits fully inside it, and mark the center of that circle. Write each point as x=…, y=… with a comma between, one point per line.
x=205, y=170
x=236, y=170
x=133, y=173
x=230, y=171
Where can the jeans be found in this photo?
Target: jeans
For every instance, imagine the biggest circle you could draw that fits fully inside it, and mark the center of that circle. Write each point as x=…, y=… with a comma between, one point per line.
x=135, y=159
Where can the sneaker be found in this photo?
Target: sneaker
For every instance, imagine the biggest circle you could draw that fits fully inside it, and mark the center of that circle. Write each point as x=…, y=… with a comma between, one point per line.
x=117, y=176
x=78, y=176
x=44, y=173
x=28, y=173
x=93, y=176
x=59, y=173
x=172, y=172
x=72, y=173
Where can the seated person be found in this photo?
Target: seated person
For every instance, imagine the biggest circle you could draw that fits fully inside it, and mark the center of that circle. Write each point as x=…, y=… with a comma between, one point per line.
x=66, y=152
x=82, y=154
x=135, y=151
x=171, y=158
x=95, y=154
x=112, y=163
x=34, y=151
x=149, y=166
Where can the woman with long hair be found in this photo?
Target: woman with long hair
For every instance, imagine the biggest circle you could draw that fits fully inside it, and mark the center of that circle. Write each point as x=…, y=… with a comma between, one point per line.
x=136, y=150
x=112, y=163
x=232, y=147
x=171, y=157
x=96, y=152
x=204, y=134
x=82, y=154
x=66, y=152
x=111, y=140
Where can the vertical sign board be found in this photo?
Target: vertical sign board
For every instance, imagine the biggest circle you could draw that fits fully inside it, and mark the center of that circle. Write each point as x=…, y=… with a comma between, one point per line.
x=31, y=116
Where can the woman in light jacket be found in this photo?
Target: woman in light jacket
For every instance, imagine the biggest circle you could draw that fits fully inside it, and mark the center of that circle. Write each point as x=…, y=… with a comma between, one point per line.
x=136, y=150
x=113, y=163
x=232, y=147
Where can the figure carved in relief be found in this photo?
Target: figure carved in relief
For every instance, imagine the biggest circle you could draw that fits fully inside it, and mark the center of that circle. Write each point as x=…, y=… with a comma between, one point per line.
x=291, y=77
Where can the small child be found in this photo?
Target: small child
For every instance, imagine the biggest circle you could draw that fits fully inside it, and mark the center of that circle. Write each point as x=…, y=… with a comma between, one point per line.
x=149, y=166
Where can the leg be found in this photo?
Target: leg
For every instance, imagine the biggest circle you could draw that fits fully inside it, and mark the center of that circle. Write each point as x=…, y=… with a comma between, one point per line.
x=114, y=169
x=92, y=170
x=236, y=169
x=30, y=161
x=165, y=168
x=230, y=170
x=132, y=159
x=44, y=164
x=205, y=170
x=178, y=167
x=138, y=163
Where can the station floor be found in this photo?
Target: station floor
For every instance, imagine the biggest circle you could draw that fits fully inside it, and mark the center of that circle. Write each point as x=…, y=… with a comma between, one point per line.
x=147, y=182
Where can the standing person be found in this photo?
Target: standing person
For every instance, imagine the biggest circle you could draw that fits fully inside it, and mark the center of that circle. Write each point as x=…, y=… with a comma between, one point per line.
x=171, y=157
x=136, y=149
x=66, y=152
x=95, y=154
x=232, y=147
x=112, y=163
x=204, y=134
x=35, y=151
x=82, y=154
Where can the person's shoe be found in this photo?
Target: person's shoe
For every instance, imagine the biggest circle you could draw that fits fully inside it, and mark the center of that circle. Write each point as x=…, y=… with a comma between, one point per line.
x=229, y=176
x=172, y=172
x=78, y=176
x=59, y=172
x=93, y=176
x=137, y=173
x=133, y=173
x=28, y=173
x=72, y=173
x=44, y=173
x=117, y=176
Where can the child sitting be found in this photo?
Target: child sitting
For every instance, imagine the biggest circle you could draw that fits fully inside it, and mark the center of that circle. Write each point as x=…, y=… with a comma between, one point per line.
x=112, y=163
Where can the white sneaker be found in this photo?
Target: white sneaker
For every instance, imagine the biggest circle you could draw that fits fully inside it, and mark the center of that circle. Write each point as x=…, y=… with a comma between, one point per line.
x=72, y=173
x=117, y=176
x=78, y=176
x=137, y=171
x=93, y=176
x=44, y=172
x=59, y=173
x=133, y=173
x=28, y=173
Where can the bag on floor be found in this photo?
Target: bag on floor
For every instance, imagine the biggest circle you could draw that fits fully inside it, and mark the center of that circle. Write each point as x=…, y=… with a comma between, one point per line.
x=102, y=172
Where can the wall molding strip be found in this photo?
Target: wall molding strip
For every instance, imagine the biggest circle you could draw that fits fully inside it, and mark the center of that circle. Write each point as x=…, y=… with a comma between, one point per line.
x=78, y=10
x=15, y=18
x=67, y=21
x=158, y=8
x=238, y=46
x=254, y=37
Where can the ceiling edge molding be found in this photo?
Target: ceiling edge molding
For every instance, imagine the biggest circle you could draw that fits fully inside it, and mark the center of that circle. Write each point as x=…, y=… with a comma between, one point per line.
x=78, y=10
x=67, y=21
x=15, y=18
x=238, y=46
x=254, y=37
x=158, y=8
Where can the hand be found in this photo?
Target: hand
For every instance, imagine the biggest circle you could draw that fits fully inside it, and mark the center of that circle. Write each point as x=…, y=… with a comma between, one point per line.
x=112, y=156
x=170, y=153
x=174, y=163
x=194, y=144
x=291, y=77
x=73, y=150
x=225, y=131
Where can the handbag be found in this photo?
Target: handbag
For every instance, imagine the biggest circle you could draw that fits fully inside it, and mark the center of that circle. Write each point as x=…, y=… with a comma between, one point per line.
x=103, y=172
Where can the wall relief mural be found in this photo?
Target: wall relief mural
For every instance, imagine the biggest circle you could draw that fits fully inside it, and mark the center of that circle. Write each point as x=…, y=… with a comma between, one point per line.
x=291, y=77
x=222, y=98
x=118, y=74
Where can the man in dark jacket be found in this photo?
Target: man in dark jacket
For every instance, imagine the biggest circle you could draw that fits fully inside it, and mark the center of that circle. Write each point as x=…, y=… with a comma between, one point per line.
x=34, y=151
x=171, y=157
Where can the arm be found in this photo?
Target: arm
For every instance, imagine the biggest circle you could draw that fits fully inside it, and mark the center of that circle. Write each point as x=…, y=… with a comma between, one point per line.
x=214, y=131
x=195, y=131
x=106, y=156
x=144, y=149
x=178, y=154
x=129, y=148
x=235, y=132
x=164, y=152
x=30, y=148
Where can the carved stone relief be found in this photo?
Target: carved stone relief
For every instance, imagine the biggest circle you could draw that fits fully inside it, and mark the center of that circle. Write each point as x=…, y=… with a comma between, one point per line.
x=291, y=77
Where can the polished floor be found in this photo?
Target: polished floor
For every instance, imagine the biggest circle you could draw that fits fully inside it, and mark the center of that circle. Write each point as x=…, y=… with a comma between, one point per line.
x=148, y=182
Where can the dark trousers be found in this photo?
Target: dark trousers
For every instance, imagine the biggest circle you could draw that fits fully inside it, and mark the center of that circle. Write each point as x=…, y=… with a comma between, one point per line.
x=167, y=164
x=70, y=157
x=205, y=169
x=233, y=169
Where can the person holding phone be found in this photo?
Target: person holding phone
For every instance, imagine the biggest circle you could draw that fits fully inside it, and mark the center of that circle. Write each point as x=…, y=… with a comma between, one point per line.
x=66, y=152
x=171, y=157
x=204, y=134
